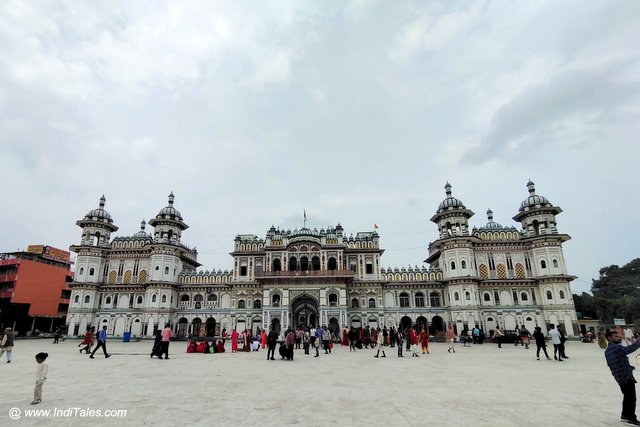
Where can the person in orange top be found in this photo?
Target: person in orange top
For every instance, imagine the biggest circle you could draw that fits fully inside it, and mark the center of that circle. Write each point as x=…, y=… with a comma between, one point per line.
x=424, y=340
x=450, y=336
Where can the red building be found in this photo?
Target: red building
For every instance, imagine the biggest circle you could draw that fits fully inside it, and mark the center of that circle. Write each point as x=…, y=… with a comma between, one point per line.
x=34, y=292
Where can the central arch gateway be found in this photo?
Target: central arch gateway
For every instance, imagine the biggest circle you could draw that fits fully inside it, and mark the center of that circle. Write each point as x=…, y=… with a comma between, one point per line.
x=304, y=311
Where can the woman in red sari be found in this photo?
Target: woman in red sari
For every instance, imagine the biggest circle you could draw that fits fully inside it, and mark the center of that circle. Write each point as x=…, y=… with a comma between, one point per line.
x=345, y=336
x=234, y=341
x=263, y=338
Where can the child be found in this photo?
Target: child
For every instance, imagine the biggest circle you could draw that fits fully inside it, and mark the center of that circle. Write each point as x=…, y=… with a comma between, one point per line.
x=41, y=376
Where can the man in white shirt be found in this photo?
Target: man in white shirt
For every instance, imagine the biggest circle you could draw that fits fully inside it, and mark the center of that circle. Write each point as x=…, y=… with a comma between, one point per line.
x=555, y=339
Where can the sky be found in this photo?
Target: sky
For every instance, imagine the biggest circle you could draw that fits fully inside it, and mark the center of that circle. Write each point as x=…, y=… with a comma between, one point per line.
x=356, y=112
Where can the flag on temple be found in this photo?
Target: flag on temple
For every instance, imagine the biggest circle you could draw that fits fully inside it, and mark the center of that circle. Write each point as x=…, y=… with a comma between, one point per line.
x=305, y=214
x=375, y=226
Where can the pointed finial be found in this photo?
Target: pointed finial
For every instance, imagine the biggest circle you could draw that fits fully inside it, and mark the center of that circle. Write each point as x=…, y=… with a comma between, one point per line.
x=171, y=197
x=143, y=225
x=102, y=201
x=490, y=215
x=448, y=189
x=532, y=187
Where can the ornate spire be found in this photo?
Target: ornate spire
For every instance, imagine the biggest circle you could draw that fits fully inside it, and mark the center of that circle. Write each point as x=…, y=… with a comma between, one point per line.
x=532, y=187
x=490, y=215
x=102, y=201
x=171, y=197
x=143, y=225
x=447, y=188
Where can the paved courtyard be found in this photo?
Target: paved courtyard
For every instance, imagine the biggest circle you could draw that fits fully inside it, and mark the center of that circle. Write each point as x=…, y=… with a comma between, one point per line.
x=477, y=386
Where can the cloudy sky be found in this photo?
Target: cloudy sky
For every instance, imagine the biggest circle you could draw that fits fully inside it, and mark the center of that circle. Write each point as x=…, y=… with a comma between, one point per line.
x=357, y=112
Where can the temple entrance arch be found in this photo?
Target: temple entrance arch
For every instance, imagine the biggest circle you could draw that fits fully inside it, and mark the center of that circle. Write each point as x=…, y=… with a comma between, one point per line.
x=304, y=309
x=275, y=324
x=437, y=325
x=405, y=323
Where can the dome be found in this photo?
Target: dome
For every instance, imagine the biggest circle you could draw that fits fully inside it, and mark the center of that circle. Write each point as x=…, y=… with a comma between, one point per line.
x=450, y=201
x=99, y=213
x=170, y=210
x=142, y=234
x=533, y=199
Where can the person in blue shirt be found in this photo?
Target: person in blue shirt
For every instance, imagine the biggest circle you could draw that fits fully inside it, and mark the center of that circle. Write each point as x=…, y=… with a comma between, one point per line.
x=102, y=342
x=622, y=371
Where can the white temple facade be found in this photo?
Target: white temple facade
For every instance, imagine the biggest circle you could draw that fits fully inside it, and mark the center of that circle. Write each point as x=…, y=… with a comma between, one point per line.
x=490, y=275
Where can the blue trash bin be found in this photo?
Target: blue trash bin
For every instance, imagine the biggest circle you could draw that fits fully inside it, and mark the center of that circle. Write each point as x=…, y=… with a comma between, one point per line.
x=126, y=337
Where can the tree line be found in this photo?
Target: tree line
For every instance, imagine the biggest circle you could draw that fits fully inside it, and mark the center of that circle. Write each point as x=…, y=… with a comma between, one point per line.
x=616, y=294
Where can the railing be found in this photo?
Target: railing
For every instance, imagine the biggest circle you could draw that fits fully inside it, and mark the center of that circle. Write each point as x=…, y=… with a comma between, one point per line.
x=196, y=305
x=306, y=273
x=8, y=277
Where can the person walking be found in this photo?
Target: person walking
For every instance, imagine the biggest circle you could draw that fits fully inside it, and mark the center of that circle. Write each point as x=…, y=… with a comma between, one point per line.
x=380, y=341
x=450, y=336
x=413, y=342
x=272, y=340
x=102, y=342
x=525, y=336
x=555, y=339
x=57, y=335
x=156, y=350
x=290, y=340
x=399, y=342
x=6, y=345
x=424, y=340
x=497, y=336
x=166, y=338
x=41, y=376
x=326, y=339
x=622, y=371
x=563, y=340
x=88, y=339
x=518, y=337
x=540, y=343
x=263, y=338
x=352, y=339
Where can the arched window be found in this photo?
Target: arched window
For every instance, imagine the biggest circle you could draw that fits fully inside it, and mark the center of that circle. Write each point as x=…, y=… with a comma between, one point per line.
x=293, y=264
x=257, y=304
x=166, y=270
x=486, y=297
x=184, y=298
x=434, y=298
x=212, y=298
x=315, y=263
x=332, y=264
x=404, y=299
x=164, y=298
x=275, y=300
x=467, y=296
x=333, y=300
x=87, y=299
x=304, y=263
x=419, y=299
x=524, y=296
x=92, y=271
x=549, y=296
x=456, y=296
x=355, y=303
x=81, y=272
x=555, y=263
x=453, y=265
x=107, y=300
x=242, y=304
x=275, y=265
x=561, y=294
x=154, y=298
x=77, y=298
x=463, y=264
x=543, y=264
x=372, y=303
x=139, y=299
